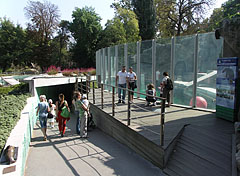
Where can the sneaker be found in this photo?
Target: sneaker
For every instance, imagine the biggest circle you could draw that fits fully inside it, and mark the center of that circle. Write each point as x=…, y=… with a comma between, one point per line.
x=119, y=101
x=154, y=104
x=62, y=134
x=123, y=102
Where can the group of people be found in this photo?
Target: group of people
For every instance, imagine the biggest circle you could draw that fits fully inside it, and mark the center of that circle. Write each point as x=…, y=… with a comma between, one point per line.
x=124, y=79
x=61, y=113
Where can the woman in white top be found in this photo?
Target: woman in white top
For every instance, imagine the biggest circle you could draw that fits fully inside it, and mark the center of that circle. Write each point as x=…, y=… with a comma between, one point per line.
x=132, y=77
x=52, y=108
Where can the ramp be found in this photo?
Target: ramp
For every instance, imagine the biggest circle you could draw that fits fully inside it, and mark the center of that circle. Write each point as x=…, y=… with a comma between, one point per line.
x=201, y=151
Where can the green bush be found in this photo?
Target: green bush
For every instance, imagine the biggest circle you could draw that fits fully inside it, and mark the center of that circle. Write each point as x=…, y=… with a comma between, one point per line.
x=11, y=105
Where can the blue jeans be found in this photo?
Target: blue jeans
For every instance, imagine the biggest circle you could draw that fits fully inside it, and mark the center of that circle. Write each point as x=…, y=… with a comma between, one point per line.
x=78, y=122
x=121, y=90
x=43, y=122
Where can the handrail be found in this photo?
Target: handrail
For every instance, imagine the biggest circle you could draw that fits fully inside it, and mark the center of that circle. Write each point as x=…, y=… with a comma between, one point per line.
x=161, y=98
x=87, y=85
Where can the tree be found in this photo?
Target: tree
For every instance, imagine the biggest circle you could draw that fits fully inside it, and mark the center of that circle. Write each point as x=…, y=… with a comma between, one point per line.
x=146, y=15
x=13, y=44
x=85, y=29
x=181, y=15
x=63, y=38
x=113, y=34
x=130, y=24
x=44, y=22
x=231, y=9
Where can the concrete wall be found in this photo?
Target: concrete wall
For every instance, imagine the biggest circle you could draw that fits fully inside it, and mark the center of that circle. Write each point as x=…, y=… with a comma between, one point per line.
x=20, y=137
x=129, y=137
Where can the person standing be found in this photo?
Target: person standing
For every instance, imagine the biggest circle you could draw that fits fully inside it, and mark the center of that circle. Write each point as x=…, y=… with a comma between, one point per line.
x=52, y=108
x=121, y=80
x=61, y=120
x=82, y=105
x=132, y=77
x=43, y=110
x=165, y=90
x=76, y=111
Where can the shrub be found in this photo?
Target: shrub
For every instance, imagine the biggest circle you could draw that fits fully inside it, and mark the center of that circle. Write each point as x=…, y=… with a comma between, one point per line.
x=52, y=70
x=90, y=71
x=10, y=110
x=67, y=72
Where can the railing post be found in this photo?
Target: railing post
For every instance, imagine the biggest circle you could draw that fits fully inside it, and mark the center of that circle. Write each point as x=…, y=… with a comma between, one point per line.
x=102, y=95
x=87, y=87
x=81, y=86
x=113, y=100
x=162, y=122
x=129, y=108
x=93, y=90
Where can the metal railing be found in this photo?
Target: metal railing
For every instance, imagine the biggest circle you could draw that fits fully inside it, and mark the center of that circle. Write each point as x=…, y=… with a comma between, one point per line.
x=87, y=89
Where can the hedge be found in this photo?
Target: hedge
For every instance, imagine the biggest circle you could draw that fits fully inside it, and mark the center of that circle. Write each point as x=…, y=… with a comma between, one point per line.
x=11, y=105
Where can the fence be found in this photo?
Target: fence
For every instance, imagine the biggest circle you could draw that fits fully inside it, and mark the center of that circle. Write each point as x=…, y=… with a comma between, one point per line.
x=86, y=89
x=190, y=60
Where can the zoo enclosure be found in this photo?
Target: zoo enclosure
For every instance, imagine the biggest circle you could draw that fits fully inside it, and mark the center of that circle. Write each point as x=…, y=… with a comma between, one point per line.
x=190, y=60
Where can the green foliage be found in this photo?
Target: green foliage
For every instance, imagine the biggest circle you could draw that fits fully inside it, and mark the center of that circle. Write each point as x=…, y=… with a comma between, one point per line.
x=11, y=106
x=113, y=34
x=13, y=45
x=231, y=9
x=85, y=29
x=146, y=15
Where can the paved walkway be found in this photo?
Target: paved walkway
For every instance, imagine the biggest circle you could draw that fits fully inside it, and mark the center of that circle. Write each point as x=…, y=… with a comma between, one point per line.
x=70, y=155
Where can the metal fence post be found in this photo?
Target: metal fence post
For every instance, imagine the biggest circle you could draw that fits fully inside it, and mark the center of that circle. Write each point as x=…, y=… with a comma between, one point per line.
x=162, y=122
x=129, y=108
x=87, y=87
x=113, y=100
x=81, y=86
x=102, y=95
x=93, y=84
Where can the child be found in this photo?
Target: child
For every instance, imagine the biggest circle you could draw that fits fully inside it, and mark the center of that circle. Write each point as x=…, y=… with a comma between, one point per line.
x=150, y=91
x=52, y=108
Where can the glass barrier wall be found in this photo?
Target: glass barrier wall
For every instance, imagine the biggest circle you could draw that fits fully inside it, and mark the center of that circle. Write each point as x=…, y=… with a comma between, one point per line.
x=163, y=60
x=177, y=56
x=145, y=76
x=183, y=69
x=209, y=50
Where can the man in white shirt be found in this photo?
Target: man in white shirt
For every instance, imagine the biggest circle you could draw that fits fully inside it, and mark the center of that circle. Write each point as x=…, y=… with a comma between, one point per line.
x=121, y=80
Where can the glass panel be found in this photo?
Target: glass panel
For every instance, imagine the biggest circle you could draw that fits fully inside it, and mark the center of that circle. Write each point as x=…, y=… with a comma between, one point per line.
x=183, y=70
x=120, y=57
x=145, y=65
x=113, y=65
x=163, y=60
x=132, y=57
x=106, y=66
x=101, y=64
x=209, y=50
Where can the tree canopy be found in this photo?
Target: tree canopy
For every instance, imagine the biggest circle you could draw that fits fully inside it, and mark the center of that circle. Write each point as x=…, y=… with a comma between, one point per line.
x=85, y=29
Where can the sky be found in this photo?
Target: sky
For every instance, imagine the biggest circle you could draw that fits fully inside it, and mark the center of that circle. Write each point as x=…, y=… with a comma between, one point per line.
x=14, y=9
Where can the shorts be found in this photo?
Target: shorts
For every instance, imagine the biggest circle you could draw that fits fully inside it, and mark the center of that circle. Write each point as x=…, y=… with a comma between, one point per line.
x=43, y=122
x=132, y=86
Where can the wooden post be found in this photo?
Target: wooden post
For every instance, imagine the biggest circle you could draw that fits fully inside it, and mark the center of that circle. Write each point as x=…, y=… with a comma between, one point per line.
x=102, y=95
x=81, y=86
x=129, y=108
x=93, y=84
x=162, y=122
x=113, y=100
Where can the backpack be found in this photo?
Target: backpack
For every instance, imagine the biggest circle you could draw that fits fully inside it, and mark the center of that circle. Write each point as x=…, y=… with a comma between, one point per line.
x=169, y=85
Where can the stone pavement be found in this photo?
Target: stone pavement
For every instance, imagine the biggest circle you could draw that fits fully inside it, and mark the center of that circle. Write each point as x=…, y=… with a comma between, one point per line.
x=69, y=155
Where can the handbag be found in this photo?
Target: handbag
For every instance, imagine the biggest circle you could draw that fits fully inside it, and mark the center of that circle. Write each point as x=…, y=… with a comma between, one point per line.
x=49, y=116
x=65, y=113
x=135, y=84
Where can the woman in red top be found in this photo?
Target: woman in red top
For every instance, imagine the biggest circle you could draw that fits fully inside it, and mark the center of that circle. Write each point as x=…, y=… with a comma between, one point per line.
x=61, y=120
